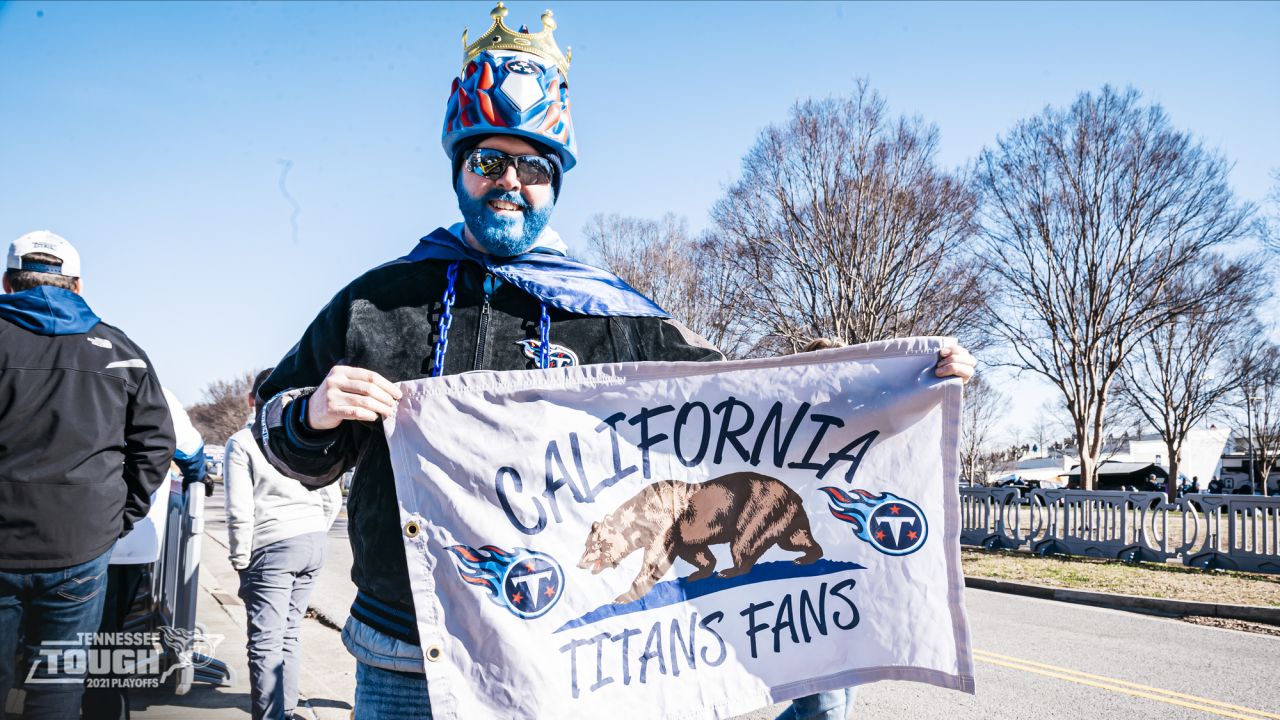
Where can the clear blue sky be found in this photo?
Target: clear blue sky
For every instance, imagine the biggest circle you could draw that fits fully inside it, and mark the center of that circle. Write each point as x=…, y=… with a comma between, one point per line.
x=155, y=136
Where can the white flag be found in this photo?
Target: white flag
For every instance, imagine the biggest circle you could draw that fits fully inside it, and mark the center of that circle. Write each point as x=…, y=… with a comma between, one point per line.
x=683, y=540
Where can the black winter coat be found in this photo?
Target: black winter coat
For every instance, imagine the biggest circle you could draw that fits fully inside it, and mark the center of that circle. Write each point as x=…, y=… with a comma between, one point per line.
x=387, y=321
x=85, y=432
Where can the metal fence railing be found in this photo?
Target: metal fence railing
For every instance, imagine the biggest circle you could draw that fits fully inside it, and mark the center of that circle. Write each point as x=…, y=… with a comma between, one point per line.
x=1234, y=532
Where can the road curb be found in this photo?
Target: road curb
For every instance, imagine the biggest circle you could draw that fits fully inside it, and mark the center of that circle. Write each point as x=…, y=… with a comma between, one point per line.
x=1251, y=613
x=324, y=619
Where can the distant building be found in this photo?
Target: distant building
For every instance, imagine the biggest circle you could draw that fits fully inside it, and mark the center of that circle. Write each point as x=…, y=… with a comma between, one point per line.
x=1202, y=457
x=1113, y=475
x=1201, y=453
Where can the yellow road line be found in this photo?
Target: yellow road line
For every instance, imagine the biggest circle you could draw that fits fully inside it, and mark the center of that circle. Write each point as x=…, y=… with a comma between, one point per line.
x=1124, y=687
x=1116, y=681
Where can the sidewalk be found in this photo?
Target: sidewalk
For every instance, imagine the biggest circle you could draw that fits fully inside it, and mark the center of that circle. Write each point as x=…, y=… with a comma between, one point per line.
x=326, y=683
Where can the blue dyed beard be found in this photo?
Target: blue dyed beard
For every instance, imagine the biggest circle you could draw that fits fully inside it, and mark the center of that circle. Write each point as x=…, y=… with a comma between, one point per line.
x=502, y=236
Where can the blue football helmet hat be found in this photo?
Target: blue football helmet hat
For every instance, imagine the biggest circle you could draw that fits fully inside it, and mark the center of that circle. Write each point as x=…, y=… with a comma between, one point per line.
x=512, y=83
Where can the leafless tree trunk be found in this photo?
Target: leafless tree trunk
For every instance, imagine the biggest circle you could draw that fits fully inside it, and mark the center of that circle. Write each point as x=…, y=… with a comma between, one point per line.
x=983, y=406
x=1260, y=397
x=842, y=225
x=1090, y=215
x=1263, y=371
x=224, y=408
x=675, y=270
x=1182, y=372
x=1269, y=225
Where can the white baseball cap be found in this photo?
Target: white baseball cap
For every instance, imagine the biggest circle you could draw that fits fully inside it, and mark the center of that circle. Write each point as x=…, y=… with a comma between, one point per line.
x=43, y=241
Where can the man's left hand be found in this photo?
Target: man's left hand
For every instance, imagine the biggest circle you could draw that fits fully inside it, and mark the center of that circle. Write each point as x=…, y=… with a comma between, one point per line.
x=955, y=361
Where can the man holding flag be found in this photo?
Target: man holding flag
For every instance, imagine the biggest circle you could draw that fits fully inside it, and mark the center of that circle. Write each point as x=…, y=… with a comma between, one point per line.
x=496, y=291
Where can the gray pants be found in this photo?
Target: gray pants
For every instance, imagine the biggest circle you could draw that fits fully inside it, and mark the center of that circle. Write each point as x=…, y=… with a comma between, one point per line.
x=275, y=588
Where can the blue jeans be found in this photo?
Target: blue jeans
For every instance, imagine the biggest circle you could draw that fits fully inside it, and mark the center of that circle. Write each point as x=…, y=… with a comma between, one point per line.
x=53, y=607
x=275, y=589
x=112, y=703
x=830, y=705
x=387, y=694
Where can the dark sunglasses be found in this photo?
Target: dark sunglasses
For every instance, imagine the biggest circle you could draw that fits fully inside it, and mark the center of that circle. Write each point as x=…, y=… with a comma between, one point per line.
x=492, y=164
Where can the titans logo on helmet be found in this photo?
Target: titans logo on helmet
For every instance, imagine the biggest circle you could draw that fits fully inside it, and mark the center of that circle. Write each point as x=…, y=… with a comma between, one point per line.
x=525, y=582
x=523, y=67
x=561, y=356
x=890, y=524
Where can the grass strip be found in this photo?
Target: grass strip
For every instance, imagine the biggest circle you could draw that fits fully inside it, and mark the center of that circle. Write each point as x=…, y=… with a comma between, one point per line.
x=1174, y=582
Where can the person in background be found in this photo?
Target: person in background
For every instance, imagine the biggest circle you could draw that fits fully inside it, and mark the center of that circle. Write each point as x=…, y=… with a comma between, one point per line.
x=86, y=438
x=276, y=532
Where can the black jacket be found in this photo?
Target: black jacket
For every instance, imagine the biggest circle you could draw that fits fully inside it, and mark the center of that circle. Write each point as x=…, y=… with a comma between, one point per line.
x=386, y=321
x=85, y=432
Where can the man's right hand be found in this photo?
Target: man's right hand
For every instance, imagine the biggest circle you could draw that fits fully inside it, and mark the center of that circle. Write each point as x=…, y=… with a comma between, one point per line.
x=349, y=393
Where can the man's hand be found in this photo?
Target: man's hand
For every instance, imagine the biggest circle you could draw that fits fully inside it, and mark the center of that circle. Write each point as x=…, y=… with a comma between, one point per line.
x=349, y=393
x=955, y=361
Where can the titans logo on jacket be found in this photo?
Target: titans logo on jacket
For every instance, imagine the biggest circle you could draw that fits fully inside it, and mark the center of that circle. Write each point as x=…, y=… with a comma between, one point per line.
x=561, y=356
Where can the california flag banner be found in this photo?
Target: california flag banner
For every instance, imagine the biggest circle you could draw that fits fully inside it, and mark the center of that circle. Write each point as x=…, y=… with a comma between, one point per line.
x=683, y=540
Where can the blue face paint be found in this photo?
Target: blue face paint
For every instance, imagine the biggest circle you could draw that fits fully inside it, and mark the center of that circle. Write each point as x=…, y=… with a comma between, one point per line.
x=504, y=235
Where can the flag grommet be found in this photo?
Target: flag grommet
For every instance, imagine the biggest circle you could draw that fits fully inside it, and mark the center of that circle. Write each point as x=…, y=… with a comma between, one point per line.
x=434, y=653
x=411, y=529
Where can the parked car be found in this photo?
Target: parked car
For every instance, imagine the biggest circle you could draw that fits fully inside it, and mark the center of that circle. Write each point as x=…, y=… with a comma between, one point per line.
x=1022, y=485
x=213, y=456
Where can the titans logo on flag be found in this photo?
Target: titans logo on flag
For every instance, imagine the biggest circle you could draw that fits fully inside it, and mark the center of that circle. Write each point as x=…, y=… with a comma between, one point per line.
x=890, y=524
x=525, y=582
x=561, y=356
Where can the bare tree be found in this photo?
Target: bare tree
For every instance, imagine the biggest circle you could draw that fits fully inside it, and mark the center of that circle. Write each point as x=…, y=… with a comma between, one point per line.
x=1183, y=372
x=223, y=409
x=984, y=404
x=1090, y=216
x=1269, y=225
x=677, y=271
x=842, y=225
x=1047, y=429
x=1260, y=399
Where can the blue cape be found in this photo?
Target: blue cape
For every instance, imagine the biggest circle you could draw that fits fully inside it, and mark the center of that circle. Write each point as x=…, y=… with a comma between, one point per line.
x=547, y=274
x=48, y=310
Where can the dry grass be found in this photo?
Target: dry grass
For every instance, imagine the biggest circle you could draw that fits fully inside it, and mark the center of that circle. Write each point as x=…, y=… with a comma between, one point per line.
x=1160, y=581
x=1241, y=625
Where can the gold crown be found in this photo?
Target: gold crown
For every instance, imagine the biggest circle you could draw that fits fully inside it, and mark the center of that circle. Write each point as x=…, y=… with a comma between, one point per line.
x=501, y=37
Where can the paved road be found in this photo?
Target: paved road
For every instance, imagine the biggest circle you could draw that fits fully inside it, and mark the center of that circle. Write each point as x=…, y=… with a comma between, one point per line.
x=1036, y=659
x=1043, y=659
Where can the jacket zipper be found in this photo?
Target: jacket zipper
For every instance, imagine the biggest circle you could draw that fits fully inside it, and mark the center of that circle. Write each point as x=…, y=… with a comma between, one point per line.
x=482, y=335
